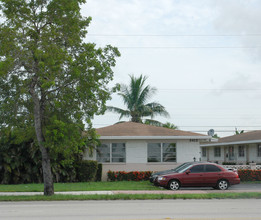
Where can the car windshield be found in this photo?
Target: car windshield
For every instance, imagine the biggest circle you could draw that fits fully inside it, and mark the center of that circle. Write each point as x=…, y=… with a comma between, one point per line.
x=179, y=167
x=182, y=167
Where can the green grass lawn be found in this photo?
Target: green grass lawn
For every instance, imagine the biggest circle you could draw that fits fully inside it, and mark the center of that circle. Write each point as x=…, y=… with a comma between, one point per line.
x=88, y=186
x=102, y=186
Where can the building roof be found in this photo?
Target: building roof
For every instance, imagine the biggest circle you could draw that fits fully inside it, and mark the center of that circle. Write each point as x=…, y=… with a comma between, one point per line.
x=138, y=130
x=244, y=138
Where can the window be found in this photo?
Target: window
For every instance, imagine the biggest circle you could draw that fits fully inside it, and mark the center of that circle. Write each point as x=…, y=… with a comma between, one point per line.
x=154, y=152
x=259, y=150
x=204, y=151
x=118, y=152
x=111, y=153
x=197, y=169
x=241, y=151
x=169, y=153
x=212, y=168
x=217, y=152
x=161, y=152
x=103, y=153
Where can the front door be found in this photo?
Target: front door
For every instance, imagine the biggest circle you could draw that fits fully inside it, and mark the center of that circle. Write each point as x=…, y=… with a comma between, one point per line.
x=231, y=153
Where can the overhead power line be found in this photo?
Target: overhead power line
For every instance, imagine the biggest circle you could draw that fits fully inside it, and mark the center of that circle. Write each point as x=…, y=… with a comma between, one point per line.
x=175, y=35
x=187, y=89
x=196, y=47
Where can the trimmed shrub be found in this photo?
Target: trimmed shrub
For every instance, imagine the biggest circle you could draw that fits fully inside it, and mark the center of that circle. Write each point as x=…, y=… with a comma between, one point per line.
x=228, y=163
x=249, y=175
x=86, y=170
x=128, y=176
x=99, y=172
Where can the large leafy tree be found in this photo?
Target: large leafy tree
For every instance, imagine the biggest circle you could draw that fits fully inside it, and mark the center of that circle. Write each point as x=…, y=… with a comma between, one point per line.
x=135, y=97
x=50, y=79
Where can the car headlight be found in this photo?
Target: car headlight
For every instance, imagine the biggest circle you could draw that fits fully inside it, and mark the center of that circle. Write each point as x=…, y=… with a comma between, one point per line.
x=160, y=178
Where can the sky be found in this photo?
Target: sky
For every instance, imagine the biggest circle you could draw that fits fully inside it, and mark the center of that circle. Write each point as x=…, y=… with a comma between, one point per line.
x=203, y=56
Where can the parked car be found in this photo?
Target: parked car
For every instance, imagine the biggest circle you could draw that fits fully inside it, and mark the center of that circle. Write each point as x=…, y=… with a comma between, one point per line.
x=199, y=174
x=175, y=170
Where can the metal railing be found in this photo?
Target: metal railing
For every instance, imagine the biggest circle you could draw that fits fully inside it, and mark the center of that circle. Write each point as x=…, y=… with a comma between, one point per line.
x=251, y=166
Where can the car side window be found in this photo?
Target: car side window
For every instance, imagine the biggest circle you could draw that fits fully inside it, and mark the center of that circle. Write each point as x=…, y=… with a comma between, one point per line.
x=212, y=168
x=197, y=169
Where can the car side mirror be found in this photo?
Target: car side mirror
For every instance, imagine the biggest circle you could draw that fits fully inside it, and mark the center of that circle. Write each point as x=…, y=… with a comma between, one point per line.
x=188, y=172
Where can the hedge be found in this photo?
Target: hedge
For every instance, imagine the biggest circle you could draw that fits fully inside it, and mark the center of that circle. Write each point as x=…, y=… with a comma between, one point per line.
x=86, y=170
x=128, y=176
x=244, y=175
x=249, y=175
x=99, y=173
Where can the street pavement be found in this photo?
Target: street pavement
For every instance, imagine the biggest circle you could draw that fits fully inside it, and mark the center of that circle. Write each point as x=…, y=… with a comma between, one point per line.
x=215, y=209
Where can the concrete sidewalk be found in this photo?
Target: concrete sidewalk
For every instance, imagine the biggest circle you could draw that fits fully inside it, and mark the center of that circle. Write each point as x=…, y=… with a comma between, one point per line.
x=115, y=192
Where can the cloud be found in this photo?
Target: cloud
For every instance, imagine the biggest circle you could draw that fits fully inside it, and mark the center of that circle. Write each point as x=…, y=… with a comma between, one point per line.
x=147, y=16
x=241, y=84
x=241, y=17
x=186, y=76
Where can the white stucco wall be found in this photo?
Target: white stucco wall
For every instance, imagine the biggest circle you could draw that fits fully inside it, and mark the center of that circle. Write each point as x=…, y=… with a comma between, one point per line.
x=136, y=151
x=136, y=156
x=187, y=150
x=253, y=153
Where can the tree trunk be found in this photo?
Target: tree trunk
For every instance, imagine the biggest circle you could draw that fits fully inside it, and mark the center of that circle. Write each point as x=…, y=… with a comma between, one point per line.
x=46, y=163
x=47, y=173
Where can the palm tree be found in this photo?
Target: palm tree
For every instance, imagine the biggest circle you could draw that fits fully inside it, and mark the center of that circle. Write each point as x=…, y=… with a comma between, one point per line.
x=238, y=132
x=135, y=95
x=170, y=125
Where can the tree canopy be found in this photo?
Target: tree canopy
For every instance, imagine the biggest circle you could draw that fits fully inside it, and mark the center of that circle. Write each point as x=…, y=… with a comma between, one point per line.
x=50, y=79
x=135, y=97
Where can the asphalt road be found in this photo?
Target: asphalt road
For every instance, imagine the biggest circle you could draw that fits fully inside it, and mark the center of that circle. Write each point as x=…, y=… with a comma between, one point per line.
x=133, y=210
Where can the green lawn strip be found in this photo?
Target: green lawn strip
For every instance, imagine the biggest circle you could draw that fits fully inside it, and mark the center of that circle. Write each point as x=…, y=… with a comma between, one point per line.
x=88, y=186
x=250, y=195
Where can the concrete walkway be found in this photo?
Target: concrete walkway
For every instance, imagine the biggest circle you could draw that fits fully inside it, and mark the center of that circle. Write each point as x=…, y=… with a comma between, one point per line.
x=168, y=192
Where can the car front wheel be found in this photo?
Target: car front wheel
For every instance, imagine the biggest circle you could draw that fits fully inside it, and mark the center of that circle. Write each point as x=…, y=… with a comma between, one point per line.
x=222, y=184
x=174, y=185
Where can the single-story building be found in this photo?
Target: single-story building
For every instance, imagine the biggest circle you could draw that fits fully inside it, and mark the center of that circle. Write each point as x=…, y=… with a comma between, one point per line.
x=130, y=146
x=240, y=149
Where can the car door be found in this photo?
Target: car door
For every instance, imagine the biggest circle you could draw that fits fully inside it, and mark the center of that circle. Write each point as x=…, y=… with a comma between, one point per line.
x=193, y=176
x=212, y=174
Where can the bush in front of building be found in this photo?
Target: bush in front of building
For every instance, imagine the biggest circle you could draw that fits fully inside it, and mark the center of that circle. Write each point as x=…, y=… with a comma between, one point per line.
x=229, y=163
x=86, y=170
x=249, y=175
x=128, y=176
x=99, y=173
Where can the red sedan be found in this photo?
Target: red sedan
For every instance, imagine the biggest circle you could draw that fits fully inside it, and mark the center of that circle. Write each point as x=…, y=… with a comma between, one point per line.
x=199, y=174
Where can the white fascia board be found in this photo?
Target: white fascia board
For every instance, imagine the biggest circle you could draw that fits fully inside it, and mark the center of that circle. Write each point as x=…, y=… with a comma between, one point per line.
x=231, y=143
x=154, y=137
